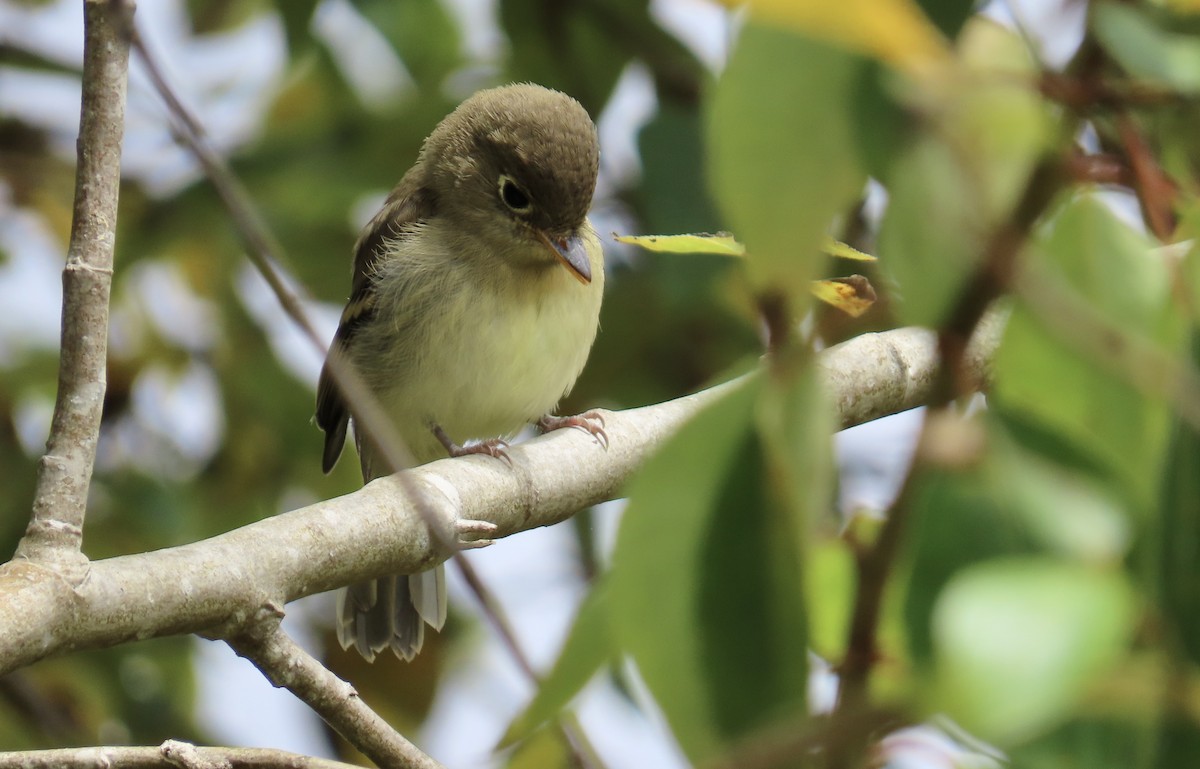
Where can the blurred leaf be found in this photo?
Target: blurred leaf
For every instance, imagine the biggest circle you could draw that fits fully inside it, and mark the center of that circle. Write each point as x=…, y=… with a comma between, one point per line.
x=705, y=590
x=1144, y=49
x=794, y=421
x=853, y=295
x=994, y=119
x=423, y=34
x=215, y=16
x=22, y=58
x=958, y=522
x=896, y=31
x=545, y=749
x=966, y=172
x=883, y=123
x=1039, y=376
x=297, y=21
x=587, y=648
x=1095, y=743
x=782, y=160
x=1178, y=742
x=930, y=263
x=674, y=193
x=692, y=298
x=720, y=243
x=830, y=580
x=1178, y=535
x=1063, y=510
x=1018, y=641
x=562, y=46
x=948, y=16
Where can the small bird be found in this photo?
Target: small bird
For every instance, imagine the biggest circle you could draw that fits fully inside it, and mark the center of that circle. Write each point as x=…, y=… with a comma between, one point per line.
x=474, y=303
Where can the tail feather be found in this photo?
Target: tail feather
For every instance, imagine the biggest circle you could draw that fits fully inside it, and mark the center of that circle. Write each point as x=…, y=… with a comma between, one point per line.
x=428, y=593
x=392, y=612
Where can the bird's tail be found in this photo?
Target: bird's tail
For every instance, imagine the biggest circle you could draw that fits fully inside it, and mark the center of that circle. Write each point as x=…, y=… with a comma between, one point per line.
x=392, y=611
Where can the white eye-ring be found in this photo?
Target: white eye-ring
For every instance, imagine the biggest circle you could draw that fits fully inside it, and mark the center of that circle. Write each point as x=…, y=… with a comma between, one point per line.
x=513, y=196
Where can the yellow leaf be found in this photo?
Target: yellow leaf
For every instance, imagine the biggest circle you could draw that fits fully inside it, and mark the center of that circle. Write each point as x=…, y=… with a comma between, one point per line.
x=700, y=243
x=1184, y=6
x=845, y=251
x=896, y=31
x=853, y=295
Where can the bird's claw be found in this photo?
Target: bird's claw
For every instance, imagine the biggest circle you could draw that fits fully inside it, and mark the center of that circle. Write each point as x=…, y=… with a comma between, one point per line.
x=496, y=448
x=591, y=422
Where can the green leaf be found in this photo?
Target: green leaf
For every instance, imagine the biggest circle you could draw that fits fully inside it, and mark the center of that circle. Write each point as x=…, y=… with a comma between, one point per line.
x=960, y=179
x=958, y=522
x=948, y=15
x=1019, y=640
x=588, y=646
x=706, y=592
x=720, y=243
x=211, y=17
x=1042, y=376
x=674, y=194
x=423, y=34
x=1145, y=50
x=830, y=579
x=545, y=749
x=895, y=31
x=783, y=161
x=1063, y=510
x=1178, y=535
x=563, y=46
x=844, y=250
x=297, y=22
x=930, y=262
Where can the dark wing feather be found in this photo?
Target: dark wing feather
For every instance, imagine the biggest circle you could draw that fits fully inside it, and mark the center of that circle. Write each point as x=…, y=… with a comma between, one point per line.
x=409, y=203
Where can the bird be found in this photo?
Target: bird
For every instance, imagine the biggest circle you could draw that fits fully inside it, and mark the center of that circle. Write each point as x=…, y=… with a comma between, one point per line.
x=474, y=303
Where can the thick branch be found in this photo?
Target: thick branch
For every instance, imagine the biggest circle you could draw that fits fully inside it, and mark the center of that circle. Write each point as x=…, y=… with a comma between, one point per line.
x=170, y=755
x=55, y=530
x=376, y=531
x=288, y=666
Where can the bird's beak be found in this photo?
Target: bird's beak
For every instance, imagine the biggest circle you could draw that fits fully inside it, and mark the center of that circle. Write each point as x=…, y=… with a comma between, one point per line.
x=572, y=253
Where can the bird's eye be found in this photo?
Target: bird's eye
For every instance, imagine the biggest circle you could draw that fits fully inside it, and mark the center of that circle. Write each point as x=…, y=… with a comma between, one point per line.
x=513, y=196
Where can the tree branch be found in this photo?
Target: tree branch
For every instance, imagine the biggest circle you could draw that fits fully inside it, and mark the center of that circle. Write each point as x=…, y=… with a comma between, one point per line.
x=376, y=530
x=286, y=665
x=55, y=530
x=172, y=754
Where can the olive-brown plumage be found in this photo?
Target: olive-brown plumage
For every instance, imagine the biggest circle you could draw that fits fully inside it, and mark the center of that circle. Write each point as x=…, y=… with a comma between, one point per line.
x=474, y=302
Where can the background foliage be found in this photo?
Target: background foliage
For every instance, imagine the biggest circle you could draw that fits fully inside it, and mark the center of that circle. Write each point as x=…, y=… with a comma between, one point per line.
x=1044, y=597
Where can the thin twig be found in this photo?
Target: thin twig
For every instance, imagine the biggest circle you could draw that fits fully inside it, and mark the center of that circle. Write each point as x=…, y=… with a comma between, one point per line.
x=55, y=531
x=288, y=666
x=172, y=754
x=1155, y=191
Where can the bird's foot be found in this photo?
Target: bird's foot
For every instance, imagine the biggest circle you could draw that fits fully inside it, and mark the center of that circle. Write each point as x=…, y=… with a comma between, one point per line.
x=591, y=422
x=492, y=447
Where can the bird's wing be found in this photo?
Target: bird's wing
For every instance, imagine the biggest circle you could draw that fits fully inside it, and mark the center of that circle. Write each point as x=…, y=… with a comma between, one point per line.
x=408, y=204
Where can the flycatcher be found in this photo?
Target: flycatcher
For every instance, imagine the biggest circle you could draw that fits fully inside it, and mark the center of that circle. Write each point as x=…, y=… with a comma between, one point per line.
x=474, y=302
